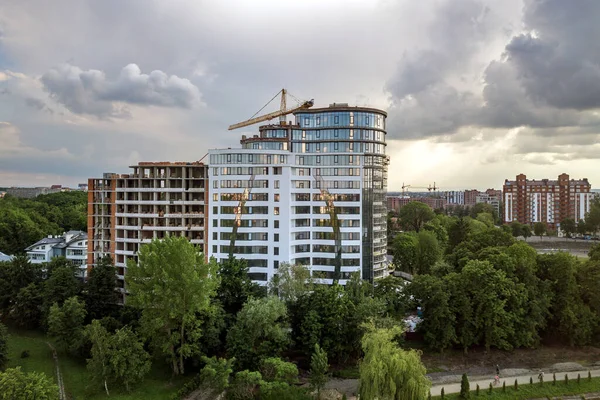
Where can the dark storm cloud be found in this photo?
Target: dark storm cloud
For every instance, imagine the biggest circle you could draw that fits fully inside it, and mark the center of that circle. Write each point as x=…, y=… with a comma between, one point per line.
x=90, y=92
x=548, y=76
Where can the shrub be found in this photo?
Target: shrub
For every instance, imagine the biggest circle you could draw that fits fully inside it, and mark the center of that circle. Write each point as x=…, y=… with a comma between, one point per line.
x=490, y=389
x=244, y=385
x=531, y=380
x=442, y=393
x=589, y=375
x=465, y=390
x=504, y=387
x=25, y=354
x=578, y=379
x=566, y=379
x=274, y=369
x=517, y=384
x=282, y=391
x=554, y=378
x=477, y=390
x=344, y=397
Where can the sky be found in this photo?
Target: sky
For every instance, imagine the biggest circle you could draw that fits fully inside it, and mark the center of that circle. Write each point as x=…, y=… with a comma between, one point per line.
x=476, y=91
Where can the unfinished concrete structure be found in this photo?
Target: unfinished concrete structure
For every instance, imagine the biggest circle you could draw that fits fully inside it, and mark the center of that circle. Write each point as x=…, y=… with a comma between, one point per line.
x=156, y=199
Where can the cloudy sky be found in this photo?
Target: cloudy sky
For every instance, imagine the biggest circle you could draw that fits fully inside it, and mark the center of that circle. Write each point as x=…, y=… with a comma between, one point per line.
x=476, y=90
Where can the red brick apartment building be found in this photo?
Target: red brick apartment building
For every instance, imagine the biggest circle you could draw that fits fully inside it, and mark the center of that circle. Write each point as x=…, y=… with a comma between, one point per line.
x=545, y=200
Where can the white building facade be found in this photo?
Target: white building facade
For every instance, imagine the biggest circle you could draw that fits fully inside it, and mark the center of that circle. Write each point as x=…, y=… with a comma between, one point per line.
x=72, y=245
x=275, y=189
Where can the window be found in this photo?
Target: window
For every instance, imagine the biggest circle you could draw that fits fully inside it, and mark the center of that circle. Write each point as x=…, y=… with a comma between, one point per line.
x=215, y=223
x=351, y=134
x=366, y=120
x=276, y=210
x=318, y=133
x=277, y=184
x=250, y=157
x=277, y=197
x=277, y=237
x=215, y=197
x=215, y=184
x=228, y=158
x=239, y=158
x=276, y=251
x=215, y=249
x=336, y=120
x=335, y=132
x=335, y=159
x=306, y=121
x=215, y=171
x=215, y=236
x=281, y=161
x=318, y=147
x=277, y=224
x=319, y=159
x=351, y=118
x=318, y=120
x=275, y=264
x=336, y=146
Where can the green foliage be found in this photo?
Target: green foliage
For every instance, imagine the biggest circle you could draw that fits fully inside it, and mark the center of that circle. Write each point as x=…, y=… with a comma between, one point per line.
x=442, y=394
x=566, y=379
x=568, y=226
x=477, y=390
x=578, y=379
x=594, y=253
x=389, y=372
x=390, y=291
x=100, y=294
x=260, y=331
x=62, y=283
x=291, y=282
x=16, y=385
x=235, y=286
x=274, y=369
x=414, y=215
x=27, y=307
x=486, y=218
x=539, y=228
x=503, y=386
x=465, y=389
x=3, y=346
x=458, y=231
x=244, y=386
x=405, y=247
x=554, y=378
x=119, y=357
x=65, y=324
x=15, y=275
x=25, y=221
x=215, y=374
x=490, y=388
x=171, y=284
x=428, y=251
x=517, y=384
x=282, y=391
x=318, y=369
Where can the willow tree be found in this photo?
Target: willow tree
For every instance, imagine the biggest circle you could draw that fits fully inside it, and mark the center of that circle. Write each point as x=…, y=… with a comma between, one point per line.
x=171, y=283
x=388, y=372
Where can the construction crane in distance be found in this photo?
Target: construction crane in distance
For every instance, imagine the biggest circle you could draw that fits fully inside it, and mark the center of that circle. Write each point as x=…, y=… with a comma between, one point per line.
x=429, y=188
x=283, y=111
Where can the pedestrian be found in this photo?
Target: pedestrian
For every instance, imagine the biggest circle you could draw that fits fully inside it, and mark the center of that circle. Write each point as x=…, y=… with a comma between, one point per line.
x=497, y=369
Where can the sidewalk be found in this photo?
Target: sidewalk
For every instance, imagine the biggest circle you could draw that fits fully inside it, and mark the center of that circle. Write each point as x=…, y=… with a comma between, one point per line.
x=484, y=383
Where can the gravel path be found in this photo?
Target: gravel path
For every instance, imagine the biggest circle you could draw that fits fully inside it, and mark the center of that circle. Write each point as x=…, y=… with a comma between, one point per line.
x=59, y=380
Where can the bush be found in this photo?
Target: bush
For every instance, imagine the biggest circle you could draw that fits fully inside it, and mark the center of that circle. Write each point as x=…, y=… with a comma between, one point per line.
x=477, y=390
x=517, y=383
x=442, y=393
x=25, y=354
x=566, y=379
x=490, y=389
x=531, y=380
x=554, y=378
x=465, y=390
x=504, y=387
x=589, y=375
x=276, y=370
x=282, y=391
x=244, y=385
x=578, y=379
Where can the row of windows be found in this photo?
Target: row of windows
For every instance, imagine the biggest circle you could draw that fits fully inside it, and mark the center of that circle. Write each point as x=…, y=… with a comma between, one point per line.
x=305, y=184
x=244, y=223
x=231, y=183
x=323, y=210
x=338, y=134
x=329, y=236
x=240, y=196
x=326, y=171
x=343, y=118
x=346, y=262
x=338, y=147
x=245, y=158
x=243, y=249
x=324, y=248
x=245, y=210
x=328, y=160
x=246, y=236
x=305, y=222
x=260, y=145
x=273, y=133
x=320, y=197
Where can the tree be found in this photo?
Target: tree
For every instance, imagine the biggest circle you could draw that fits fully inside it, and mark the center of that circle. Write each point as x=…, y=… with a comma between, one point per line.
x=486, y=208
x=101, y=295
x=526, y=231
x=389, y=372
x=274, y=369
x=568, y=226
x=15, y=275
x=318, y=369
x=390, y=291
x=291, y=282
x=61, y=285
x=428, y=251
x=406, y=252
x=260, y=331
x=516, y=228
x=235, y=286
x=458, y=231
x=215, y=374
x=16, y=385
x=539, y=228
x=3, y=346
x=171, y=283
x=27, y=307
x=465, y=389
x=486, y=218
x=118, y=357
x=414, y=215
x=65, y=324
x=592, y=218
x=594, y=253
x=582, y=227
x=129, y=361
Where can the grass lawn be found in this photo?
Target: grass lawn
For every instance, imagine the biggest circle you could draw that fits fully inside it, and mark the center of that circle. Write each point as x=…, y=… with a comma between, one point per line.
x=156, y=385
x=536, y=390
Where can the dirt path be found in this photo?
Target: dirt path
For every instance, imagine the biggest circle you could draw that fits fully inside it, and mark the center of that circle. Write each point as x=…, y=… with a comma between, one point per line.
x=59, y=380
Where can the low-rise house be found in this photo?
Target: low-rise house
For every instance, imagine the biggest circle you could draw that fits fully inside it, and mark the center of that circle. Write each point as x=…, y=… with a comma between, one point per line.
x=5, y=257
x=72, y=245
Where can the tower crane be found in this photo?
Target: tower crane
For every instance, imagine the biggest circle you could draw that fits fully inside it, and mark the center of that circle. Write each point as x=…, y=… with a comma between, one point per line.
x=283, y=111
x=429, y=188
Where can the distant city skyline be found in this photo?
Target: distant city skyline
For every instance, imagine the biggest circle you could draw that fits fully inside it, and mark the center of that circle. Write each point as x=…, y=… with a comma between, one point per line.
x=476, y=91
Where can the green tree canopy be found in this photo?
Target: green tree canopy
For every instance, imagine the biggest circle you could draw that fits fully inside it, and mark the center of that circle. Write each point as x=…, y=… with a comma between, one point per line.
x=235, y=286
x=389, y=372
x=65, y=324
x=539, y=228
x=260, y=331
x=171, y=284
x=3, y=346
x=414, y=215
x=100, y=294
x=17, y=385
x=568, y=226
x=291, y=282
x=406, y=252
x=318, y=369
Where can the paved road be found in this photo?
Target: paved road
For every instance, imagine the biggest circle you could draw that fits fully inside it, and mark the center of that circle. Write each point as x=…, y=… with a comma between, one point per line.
x=510, y=380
